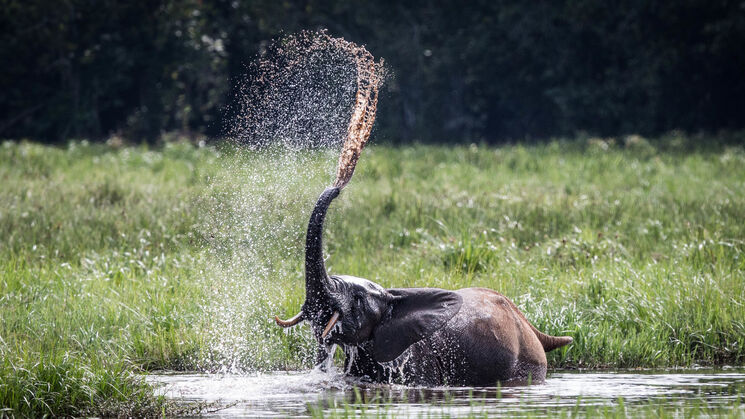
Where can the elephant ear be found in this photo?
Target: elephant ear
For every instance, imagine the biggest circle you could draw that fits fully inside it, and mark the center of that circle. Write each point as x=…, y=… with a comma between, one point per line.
x=415, y=314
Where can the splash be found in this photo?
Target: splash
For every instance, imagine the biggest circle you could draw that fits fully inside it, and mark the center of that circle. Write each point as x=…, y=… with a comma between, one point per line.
x=363, y=116
x=252, y=223
x=305, y=97
x=309, y=90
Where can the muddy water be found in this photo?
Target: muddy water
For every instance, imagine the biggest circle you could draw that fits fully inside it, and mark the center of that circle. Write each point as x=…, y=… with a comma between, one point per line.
x=300, y=394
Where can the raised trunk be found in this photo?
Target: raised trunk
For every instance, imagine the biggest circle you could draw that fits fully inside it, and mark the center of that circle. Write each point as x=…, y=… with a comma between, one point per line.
x=316, y=278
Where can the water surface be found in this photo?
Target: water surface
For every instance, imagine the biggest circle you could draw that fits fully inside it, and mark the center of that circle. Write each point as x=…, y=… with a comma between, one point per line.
x=300, y=394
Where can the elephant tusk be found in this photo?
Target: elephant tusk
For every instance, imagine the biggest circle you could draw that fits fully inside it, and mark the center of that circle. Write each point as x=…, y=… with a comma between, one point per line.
x=289, y=323
x=330, y=324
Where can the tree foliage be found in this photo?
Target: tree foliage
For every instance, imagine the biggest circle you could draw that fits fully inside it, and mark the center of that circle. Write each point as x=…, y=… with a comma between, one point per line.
x=481, y=70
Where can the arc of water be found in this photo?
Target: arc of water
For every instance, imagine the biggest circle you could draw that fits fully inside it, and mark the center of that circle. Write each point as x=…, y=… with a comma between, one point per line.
x=363, y=116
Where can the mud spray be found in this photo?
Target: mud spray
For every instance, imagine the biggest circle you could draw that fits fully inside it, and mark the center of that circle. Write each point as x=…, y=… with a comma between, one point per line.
x=307, y=95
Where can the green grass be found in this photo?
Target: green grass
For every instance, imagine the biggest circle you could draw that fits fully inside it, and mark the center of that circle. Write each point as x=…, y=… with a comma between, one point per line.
x=121, y=260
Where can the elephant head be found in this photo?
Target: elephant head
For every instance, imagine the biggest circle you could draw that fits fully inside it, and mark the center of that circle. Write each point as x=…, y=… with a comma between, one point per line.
x=353, y=311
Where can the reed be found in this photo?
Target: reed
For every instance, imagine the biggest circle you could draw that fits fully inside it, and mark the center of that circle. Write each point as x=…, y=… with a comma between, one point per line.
x=637, y=252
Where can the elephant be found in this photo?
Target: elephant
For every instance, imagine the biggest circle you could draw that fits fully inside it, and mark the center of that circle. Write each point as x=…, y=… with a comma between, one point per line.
x=417, y=336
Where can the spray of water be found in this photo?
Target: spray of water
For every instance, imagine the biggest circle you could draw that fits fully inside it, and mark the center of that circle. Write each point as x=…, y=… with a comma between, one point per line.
x=363, y=115
x=304, y=90
x=306, y=95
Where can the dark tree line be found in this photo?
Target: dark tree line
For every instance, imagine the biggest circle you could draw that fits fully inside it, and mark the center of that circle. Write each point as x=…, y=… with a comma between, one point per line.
x=463, y=71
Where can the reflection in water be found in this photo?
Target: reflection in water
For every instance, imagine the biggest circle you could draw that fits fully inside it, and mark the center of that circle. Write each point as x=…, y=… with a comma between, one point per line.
x=297, y=394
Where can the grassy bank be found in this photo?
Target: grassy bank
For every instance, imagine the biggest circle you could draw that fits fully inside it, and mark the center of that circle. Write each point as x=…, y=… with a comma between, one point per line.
x=119, y=260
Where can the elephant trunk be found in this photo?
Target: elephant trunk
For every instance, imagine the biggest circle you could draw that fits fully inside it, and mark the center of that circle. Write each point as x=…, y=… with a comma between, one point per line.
x=316, y=278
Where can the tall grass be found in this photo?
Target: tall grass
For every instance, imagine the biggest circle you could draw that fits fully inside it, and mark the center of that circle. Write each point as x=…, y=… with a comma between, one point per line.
x=635, y=250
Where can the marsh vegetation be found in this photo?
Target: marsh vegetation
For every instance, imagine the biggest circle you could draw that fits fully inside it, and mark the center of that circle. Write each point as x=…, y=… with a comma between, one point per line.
x=113, y=258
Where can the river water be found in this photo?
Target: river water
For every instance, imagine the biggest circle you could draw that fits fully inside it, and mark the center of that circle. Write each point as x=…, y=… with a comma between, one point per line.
x=301, y=394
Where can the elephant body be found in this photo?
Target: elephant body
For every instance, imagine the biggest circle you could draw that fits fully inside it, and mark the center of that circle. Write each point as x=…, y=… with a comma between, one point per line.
x=487, y=341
